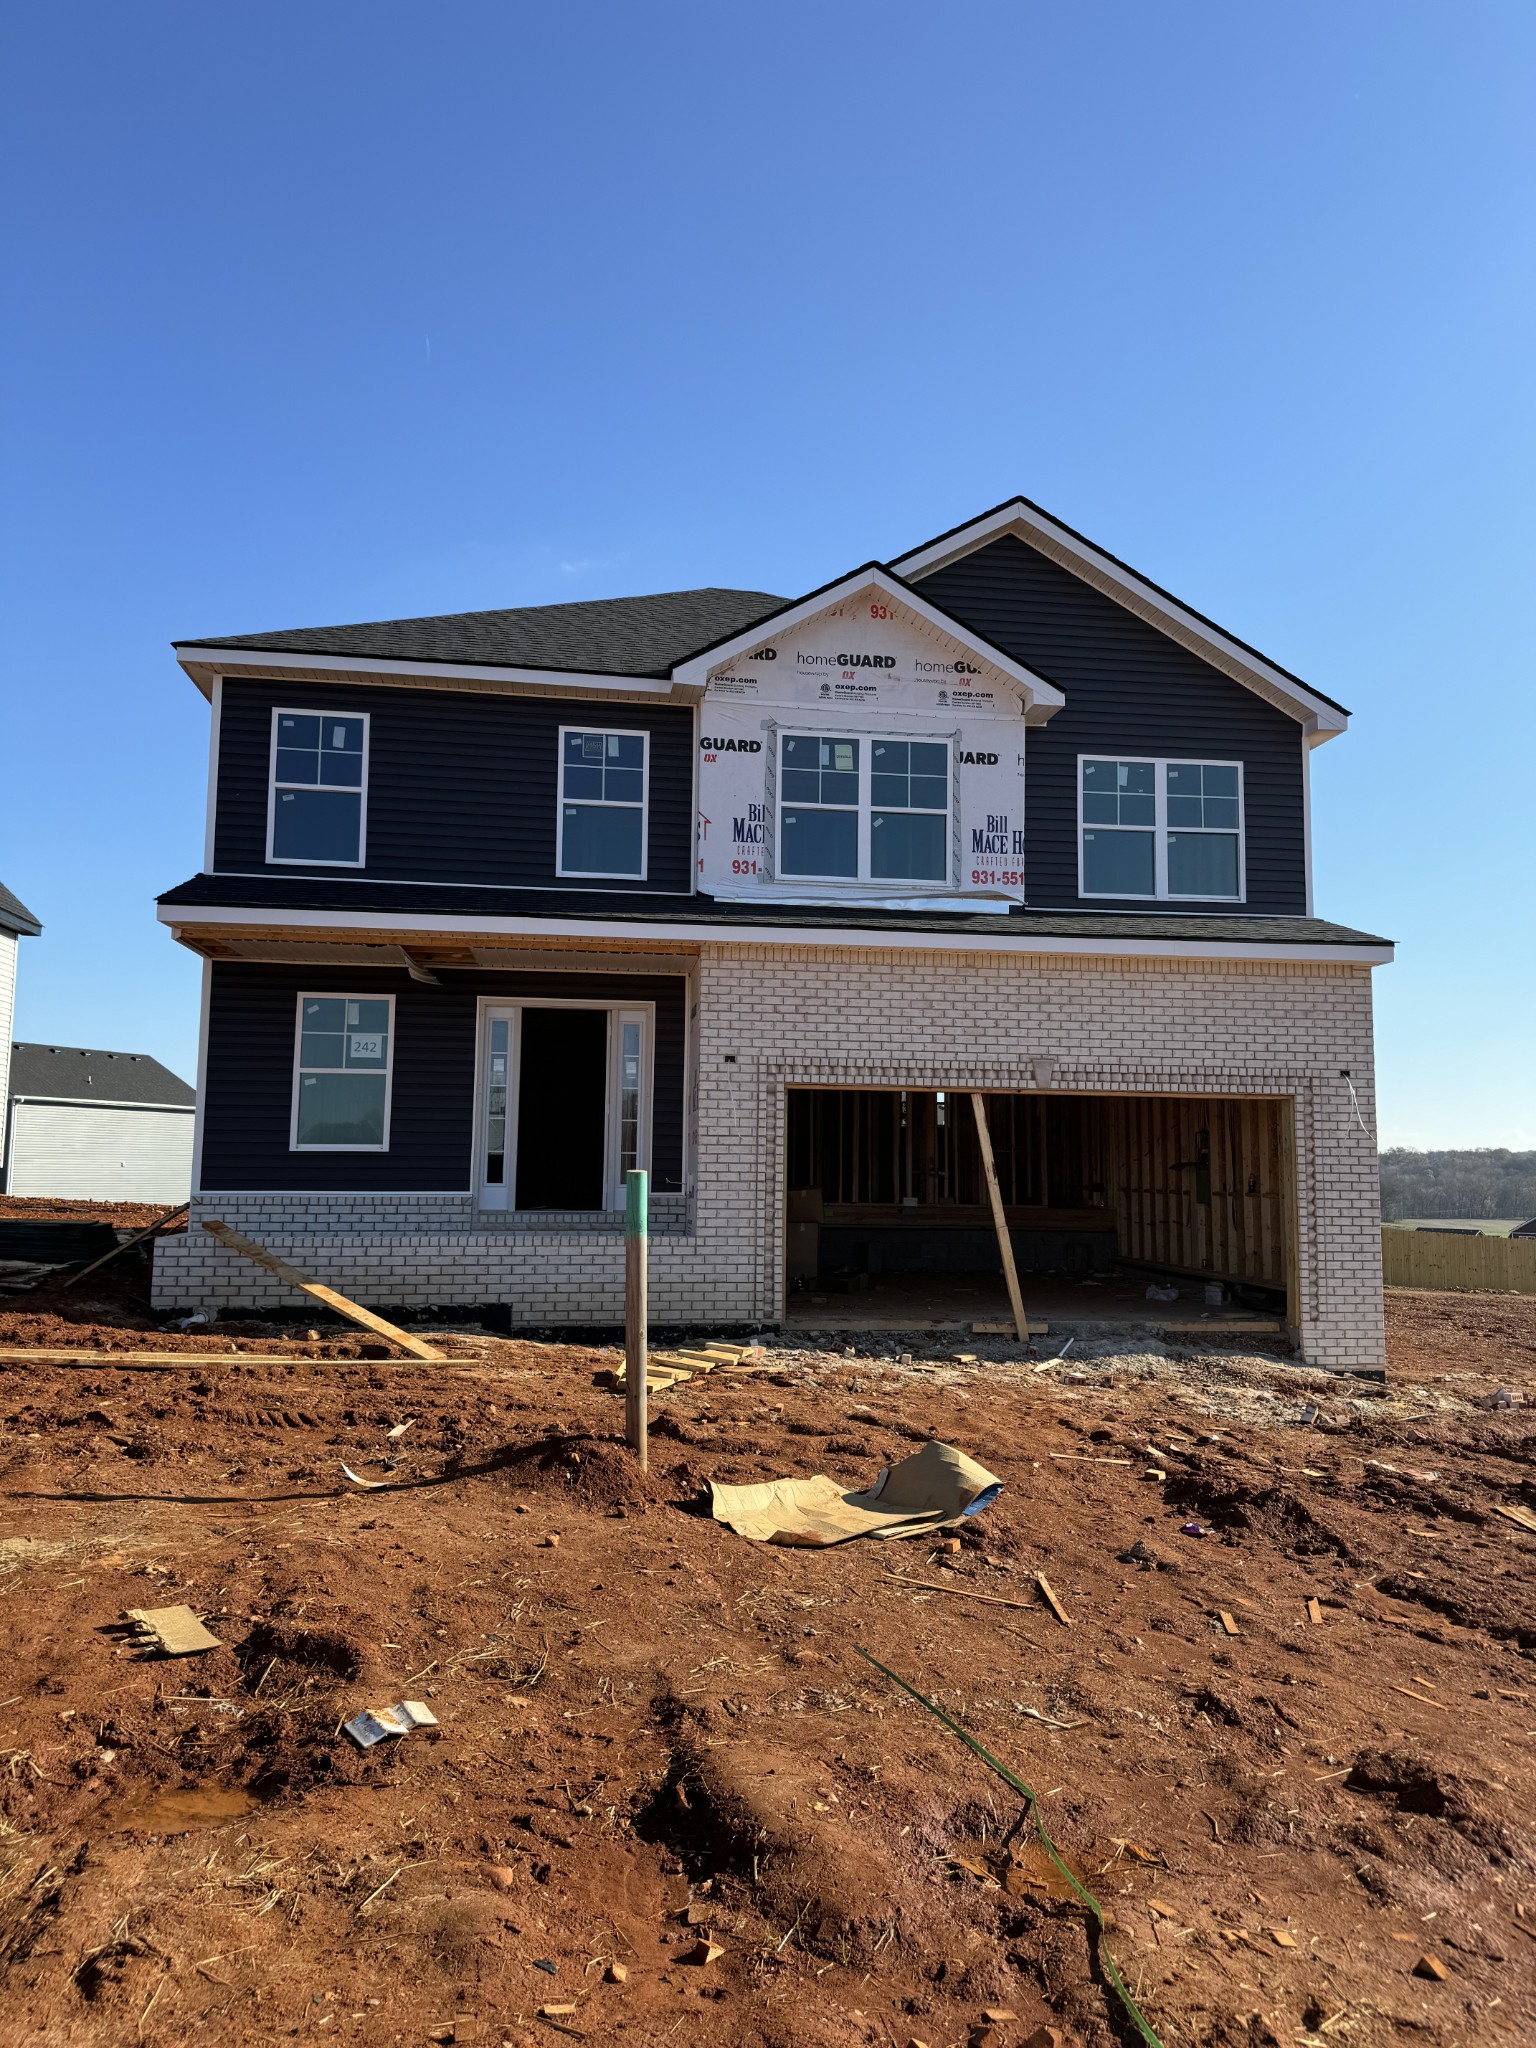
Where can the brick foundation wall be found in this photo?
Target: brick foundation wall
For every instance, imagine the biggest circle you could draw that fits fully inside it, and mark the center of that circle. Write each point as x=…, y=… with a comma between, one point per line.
x=773, y=1017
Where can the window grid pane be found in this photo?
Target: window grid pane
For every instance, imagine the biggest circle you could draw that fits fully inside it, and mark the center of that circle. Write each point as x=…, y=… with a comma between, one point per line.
x=1161, y=829
x=602, y=803
x=343, y=1079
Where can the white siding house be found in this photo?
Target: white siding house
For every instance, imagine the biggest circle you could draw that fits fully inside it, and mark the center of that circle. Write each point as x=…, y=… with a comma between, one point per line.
x=97, y=1126
x=16, y=923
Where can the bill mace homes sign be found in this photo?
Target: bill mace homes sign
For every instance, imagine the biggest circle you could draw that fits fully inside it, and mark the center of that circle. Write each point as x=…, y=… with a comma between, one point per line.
x=862, y=752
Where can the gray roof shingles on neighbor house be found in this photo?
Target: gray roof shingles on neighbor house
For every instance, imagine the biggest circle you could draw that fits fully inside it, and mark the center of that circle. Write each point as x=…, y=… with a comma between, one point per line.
x=15, y=916
x=70, y=1073
x=629, y=636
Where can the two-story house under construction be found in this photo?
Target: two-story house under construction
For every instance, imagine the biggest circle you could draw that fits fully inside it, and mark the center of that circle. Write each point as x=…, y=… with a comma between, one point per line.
x=745, y=890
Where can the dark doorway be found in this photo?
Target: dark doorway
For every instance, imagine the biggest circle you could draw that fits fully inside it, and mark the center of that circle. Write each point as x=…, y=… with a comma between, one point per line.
x=562, y=1096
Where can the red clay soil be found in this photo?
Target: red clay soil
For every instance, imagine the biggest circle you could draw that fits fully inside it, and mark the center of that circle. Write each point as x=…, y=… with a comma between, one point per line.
x=51, y=1209
x=656, y=1735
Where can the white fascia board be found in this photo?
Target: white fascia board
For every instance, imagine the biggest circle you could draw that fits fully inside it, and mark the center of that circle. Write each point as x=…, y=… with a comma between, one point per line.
x=839, y=937
x=693, y=675
x=1321, y=719
x=203, y=662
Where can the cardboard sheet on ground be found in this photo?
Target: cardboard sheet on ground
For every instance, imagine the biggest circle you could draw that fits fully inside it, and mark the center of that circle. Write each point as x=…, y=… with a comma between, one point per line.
x=935, y=1487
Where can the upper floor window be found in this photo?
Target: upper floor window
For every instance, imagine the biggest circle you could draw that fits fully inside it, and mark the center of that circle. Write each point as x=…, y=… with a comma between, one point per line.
x=863, y=809
x=342, y=1073
x=603, y=795
x=1162, y=829
x=319, y=788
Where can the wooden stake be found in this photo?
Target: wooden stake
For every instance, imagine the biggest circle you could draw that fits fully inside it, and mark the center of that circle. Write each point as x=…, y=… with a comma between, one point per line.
x=999, y=1219
x=269, y=1262
x=1051, y=1601
x=636, y=1245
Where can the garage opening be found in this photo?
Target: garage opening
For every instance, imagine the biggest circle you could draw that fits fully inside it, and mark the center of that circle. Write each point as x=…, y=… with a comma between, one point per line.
x=886, y=1198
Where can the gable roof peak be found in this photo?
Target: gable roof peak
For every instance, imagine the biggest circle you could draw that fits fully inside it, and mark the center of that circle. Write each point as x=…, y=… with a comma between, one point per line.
x=1321, y=717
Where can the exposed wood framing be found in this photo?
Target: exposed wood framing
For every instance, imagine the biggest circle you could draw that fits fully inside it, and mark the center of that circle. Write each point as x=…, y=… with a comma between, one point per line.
x=1200, y=1185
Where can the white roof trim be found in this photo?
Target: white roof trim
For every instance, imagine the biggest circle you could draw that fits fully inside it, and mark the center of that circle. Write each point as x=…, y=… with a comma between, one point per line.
x=838, y=937
x=203, y=662
x=105, y=1102
x=693, y=675
x=1061, y=545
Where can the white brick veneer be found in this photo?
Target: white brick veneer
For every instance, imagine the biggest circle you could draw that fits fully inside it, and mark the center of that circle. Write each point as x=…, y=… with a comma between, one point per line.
x=771, y=1017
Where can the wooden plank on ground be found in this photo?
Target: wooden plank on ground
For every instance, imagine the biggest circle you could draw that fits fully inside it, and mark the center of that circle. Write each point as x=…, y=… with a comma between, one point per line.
x=1051, y=1601
x=280, y=1269
x=189, y=1361
x=1007, y=1330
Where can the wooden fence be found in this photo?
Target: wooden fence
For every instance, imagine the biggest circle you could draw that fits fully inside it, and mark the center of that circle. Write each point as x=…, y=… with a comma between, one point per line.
x=1426, y=1258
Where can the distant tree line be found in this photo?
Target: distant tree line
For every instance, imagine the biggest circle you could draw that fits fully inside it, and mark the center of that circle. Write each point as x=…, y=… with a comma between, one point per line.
x=1471, y=1184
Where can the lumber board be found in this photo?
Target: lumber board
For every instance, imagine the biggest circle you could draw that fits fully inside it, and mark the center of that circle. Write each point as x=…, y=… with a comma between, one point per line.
x=1007, y=1330
x=999, y=1216
x=189, y=1361
x=1251, y=1326
x=269, y=1262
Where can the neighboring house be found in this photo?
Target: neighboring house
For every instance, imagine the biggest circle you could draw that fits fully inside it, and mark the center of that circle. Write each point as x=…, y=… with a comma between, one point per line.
x=1524, y=1229
x=16, y=923
x=97, y=1126
x=748, y=891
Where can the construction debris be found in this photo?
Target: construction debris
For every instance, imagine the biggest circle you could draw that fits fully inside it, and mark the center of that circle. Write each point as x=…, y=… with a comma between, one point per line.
x=934, y=1488
x=373, y=1724
x=664, y=1369
x=173, y=1631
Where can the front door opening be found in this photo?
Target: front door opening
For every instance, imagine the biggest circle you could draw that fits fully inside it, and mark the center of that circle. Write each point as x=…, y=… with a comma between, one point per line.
x=561, y=1104
x=566, y=1092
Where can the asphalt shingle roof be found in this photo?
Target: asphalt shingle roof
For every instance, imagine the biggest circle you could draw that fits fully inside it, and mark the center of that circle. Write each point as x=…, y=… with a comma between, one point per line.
x=15, y=916
x=637, y=906
x=629, y=636
x=70, y=1073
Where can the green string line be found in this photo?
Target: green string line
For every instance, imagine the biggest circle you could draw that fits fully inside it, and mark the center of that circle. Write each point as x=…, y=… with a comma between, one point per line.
x=1096, y=1911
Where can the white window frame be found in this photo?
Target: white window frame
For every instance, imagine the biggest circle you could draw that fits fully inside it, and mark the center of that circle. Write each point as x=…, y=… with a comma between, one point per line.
x=512, y=1007
x=865, y=880
x=317, y=995
x=293, y=860
x=620, y=732
x=1161, y=893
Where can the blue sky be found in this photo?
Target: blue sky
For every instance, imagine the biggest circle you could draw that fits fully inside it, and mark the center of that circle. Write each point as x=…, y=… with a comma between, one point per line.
x=320, y=313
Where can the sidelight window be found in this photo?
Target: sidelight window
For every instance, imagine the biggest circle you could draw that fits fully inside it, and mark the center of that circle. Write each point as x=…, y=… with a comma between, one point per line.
x=1161, y=829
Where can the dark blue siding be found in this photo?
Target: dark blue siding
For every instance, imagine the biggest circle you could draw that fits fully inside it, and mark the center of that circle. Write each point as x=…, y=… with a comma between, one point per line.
x=1130, y=690
x=248, y=1101
x=461, y=787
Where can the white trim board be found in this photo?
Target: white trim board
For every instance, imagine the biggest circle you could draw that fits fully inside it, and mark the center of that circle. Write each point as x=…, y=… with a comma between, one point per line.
x=202, y=663
x=1041, y=699
x=106, y=1102
x=841, y=938
x=1070, y=550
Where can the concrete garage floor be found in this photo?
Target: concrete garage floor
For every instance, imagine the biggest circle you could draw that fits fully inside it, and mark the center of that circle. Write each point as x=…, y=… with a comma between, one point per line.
x=954, y=1301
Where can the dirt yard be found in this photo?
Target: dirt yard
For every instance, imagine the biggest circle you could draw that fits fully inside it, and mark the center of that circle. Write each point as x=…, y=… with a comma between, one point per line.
x=658, y=1740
